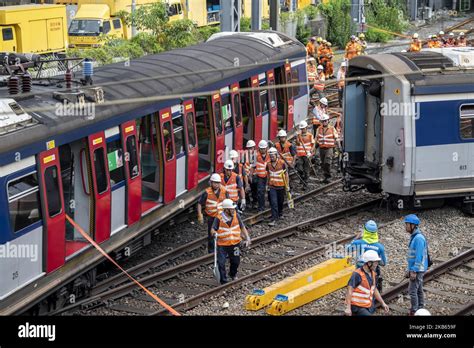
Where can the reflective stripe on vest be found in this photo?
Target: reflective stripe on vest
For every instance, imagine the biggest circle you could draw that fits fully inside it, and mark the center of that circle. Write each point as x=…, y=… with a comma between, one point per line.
x=319, y=84
x=308, y=144
x=231, y=186
x=261, y=169
x=326, y=139
x=228, y=235
x=363, y=294
x=214, y=203
x=276, y=174
x=285, y=152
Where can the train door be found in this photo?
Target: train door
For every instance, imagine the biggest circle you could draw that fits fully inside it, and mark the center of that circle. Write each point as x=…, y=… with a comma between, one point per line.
x=54, y=214
x=290, y=98
x=219, y=134
x=205, y=136
x=237, y=117
x=247, y=111
x=228, y=119
x=100, y=187
x=284, y=98
x=116, y=165
x=191, y=145
x=132, y=172
x=151, y=196
x=272, y=105
x=264, y=107
x=257, y=113
x=167, y=154
x=179, y=150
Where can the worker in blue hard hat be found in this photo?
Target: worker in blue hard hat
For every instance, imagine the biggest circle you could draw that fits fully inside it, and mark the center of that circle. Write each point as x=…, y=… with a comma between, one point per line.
x=417, y=262
x=369, y=240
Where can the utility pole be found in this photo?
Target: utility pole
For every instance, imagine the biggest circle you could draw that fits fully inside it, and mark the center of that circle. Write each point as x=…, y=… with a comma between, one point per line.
x=274, y=14
x=256, y=15
x=134, y=28
x=357, y=16
x=230, y=15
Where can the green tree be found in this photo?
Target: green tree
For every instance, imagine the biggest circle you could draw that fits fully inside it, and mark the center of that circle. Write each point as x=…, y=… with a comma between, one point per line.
x=337, y=13
x=384, y=15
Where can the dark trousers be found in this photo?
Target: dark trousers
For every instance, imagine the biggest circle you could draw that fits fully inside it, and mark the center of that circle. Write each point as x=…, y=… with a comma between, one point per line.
x=303, y=166
x=261, y=186
x=326, y=156
x=254, y=190
x=233, y=252
x=415, y=290
x=340, y=92
x=361, y=311
x=276, y=196
x=210, y=239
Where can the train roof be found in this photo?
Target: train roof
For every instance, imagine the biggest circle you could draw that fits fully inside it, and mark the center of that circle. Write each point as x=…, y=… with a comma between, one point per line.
x=204, y=67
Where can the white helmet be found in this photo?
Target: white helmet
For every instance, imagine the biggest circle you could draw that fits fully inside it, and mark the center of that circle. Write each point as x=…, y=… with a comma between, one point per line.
x=461, y=34
x=229, y=164
x=415, y=36
x=441, y=33
x=273, y=151
x=216, y=178
x=323, y=101
x=262, y=144
x=311, y=59
x=281, y=133
x=320, y=67
x=228, y=204
x=370, y=256
x=344, y=63
x=233, y=154
x=303, y=124
x=451, y=34
x=422, y=311
x=250, y=143
x=324, y=117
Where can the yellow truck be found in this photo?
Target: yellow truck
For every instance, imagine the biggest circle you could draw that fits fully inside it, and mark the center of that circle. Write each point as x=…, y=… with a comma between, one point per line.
x=201, y=12
x=40, y=29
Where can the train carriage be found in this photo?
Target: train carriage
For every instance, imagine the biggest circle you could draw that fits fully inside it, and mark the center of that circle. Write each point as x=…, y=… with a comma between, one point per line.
x=119, y=168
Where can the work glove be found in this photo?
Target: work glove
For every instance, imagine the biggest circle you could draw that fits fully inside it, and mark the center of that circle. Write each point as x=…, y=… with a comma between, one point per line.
x=243, y=204
x=247, y=242
x=200, y=219
x=247, y=188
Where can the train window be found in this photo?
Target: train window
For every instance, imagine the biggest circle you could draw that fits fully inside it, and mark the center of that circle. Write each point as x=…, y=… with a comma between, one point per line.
x=272, y=95
x=237, y=110
x=106, y=27
x=256, y=99
x=167, y=140
x=191, y=134
x=467, y=121
x=295, y=79
x=7, y=34
x=178, y=130
x=263, y=98
x=227, y=112
x=117, y=24
x=23, y=202
x=132, y=157
x=52, y=190
x=218, y=117
x=100, y=174
x=115, y=160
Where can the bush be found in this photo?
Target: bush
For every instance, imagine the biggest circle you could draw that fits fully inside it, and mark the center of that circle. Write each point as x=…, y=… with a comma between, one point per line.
x=147, y=42
x=206, y=32
x=385, y=16
x=337, y=13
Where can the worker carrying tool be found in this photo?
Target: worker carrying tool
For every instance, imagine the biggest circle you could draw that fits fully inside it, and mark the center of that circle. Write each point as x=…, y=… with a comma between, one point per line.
x=304, y=151
x=276, y=169
x=261, y=170
x=233, y=185
x=286, y=149
x=352, y=48
x=369, y=240
x=341, y=77
x=326, y=139
x=239, y=169
x=211, y=200
x=361, y=289
x=229, y=230
x=415, y=45
x=249, y=159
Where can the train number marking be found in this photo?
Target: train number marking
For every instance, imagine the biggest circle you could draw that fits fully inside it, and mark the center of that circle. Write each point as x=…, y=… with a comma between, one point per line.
x=455, y=157
x=463, y=167
x=15, y=275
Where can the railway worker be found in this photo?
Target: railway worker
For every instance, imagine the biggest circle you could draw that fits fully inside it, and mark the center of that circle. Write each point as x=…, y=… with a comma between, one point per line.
x=319, y=82
x=461, y=42
x=320, y=51
x=249, y=159
x=211, y=200
x=415, y=45
x=233, y=184
x=229, y=231
x=441, y=38
x=277, y=173
x=286, y=149
x=317, y=112
x=362, y=44
x=352, y=48
x=312, y=72
x=433, y=42
x=361, y=288
x=341, y=77
x=241, y=172
x=326, y=139
x=369, y=240
x=417, y=262
x=311, y=47
x=327, y=61
x=319, y=42
x=451, y=41
x=304, y=151
x=261, y=171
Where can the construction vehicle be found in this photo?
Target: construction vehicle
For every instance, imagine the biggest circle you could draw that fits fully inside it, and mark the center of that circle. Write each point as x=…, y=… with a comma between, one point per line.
x=39, y=29
x=201, y=12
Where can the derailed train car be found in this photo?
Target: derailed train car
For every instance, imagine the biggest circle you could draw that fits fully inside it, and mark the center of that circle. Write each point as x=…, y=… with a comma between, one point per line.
x=409, y=126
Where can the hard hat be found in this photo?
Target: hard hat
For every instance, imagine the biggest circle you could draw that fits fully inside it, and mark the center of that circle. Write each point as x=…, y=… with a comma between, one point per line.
x=323, y=101
x=320, y=67
x=370, y=226
x=329, y=44
x=434, y=36
x=370, y=256
x=412, y=219
x=311, y=59
x=415, y=36
x=303, y=124
x=461, y=34
x=216, y=178
x=262, y=144
x=353, y=37
x=441, y=33
x=324, y=117
x=451, y=34
x=228, y=204
x=229, y=164
x=325, y=41
x=312, y=39
x=233, y=154
x=344, y=63
x=319, y=39
x=273, y=151
x=281, y=133
x=422, y=311
x=361, y=35
x=250, y=143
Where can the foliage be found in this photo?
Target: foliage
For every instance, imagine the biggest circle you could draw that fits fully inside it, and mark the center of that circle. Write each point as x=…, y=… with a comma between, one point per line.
x=176, y=34
x=246, y=24
x=337, y=13
x=310, y=11
x=384, y=15
x=147, y=42
x=203, y=33
x=118, y=48
x=153, y=17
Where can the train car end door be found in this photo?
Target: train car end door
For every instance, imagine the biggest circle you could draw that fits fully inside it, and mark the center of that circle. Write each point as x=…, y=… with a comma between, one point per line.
x=273, y=110
x=191, y=143
x=219, y=134
x=168, y=155
x=291, y=104
x=257, y=114
x=237, y=114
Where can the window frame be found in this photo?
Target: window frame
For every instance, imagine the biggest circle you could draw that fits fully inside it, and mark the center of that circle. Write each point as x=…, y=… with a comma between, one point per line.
x=177, y=130
x=171, y=134
x=104, y=159
x=191, y=130
x=217, y=111
x=133, y=139
x=237, y=109
x=58, y=191
x=468, y=117
x=9, y=29
x=103, y=27
x=117, y=20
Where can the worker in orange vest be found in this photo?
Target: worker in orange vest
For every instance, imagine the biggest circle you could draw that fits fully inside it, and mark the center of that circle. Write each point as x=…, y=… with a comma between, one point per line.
x=341, y=77
x=233, y=184
x=326, y=139
x=310, y=47
x=304, y=151
x=433, y=42
x=261, y=172
x=362, y=44
x=326, y=61
x=441, y=38
x=229, y=230
x=461, y=40
x=211, y=200
x=277, y=173
x=451, y=41
x=352, y=48
x=286, y=149
x=361, y=288
x=319, y=82
x=415, y=45
x=311, y=72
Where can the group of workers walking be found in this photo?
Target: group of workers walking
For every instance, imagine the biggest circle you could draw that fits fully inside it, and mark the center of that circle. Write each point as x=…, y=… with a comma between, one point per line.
x=438, y=41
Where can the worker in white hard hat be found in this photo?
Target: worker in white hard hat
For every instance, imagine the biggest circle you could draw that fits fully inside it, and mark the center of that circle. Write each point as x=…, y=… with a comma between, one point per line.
x=352, y=48
x=441, y=38
x=233, y=184
x=451, y=41
x=319, y=82
x=461, y=41
x=230, y=231
x=211, y=200
x=304, y=151
x=277, y=173
x=316, y=113
x=341, y=77
x=239, y=169
x=327, y=138
x=415, y=45
x=286, y=149
x=311, y=71
x=361, y=288
x=261, y=172
x=249, y=160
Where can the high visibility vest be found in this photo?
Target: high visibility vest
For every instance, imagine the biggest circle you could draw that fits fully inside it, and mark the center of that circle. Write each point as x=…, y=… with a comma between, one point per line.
x=285, y=151
x=415, y=47
x=249, y=161
x=461, y=43
x=352, y=50
x=432, y=44
x=275, y=173
x=450, y=43
x=231, y=186
x=341, y=77
x=310, y=49
x=363, y=294
x=312, y=72
x=326, y=137
x=319, y=83
x=239, y=169
x=261, y=170
x=323, y=55
x=214, y=203
x=315, y=119
x=228, y=235
x=308, y=144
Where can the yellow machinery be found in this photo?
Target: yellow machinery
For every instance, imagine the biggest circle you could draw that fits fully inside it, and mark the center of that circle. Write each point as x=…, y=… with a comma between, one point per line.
x=201, y=12
x=36, y=29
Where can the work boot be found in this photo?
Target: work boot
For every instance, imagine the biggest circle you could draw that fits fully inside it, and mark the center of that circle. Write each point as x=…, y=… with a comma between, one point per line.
x=411, y=313
x=272, y=223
